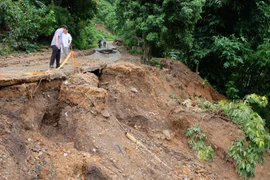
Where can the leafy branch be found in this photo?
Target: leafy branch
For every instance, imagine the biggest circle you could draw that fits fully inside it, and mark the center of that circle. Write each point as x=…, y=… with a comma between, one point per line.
x=247, y=153
x=197, y=143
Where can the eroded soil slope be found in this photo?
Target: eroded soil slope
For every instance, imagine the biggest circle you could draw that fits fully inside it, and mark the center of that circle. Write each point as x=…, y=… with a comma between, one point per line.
x=76, y=128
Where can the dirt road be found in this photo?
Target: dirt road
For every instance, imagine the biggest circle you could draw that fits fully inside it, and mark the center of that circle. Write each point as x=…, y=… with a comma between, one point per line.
x=16, y=65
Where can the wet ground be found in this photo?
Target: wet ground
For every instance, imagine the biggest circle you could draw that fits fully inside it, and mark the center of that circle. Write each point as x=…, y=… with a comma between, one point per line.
x=19, y=65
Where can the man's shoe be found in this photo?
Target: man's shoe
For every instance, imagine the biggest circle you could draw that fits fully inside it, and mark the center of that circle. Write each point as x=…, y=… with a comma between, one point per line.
x=51, y=67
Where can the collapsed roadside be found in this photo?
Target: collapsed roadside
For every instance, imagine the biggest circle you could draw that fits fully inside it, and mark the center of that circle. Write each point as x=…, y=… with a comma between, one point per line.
x=74, y=127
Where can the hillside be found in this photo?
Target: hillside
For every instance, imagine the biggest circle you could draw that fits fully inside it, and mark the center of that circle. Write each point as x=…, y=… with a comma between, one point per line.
x=76, y=124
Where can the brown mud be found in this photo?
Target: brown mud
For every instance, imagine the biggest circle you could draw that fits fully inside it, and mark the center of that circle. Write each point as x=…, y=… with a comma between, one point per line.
x=71, y=124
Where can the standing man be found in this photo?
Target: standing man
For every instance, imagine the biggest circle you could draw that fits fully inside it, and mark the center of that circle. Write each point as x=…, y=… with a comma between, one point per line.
x=67, y=39
x=104, y=42
x=56, y=45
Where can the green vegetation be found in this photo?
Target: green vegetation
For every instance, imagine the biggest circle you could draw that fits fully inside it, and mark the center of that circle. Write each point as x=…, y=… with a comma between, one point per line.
x=246, y=152
x=249, y=151
x=197, y=143
x=231, y=45
x=158, y=63
x=173, y=96
x=158, y=25
x=227, y=41
x=107, y=15
x=25, y=25
x=244, y=158
x=23, y=22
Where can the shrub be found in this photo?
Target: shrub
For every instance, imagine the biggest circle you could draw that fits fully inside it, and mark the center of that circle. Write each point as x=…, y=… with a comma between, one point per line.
x=26, y=21
x=197, y=142
x=248, y=153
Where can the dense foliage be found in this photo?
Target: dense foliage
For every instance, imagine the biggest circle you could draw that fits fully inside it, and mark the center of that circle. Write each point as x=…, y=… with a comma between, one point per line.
x=248, y=151
x=22, y=22
x=226, y=41
x=232, y=46
x=26, y=24
x=107, y=15
x=158, y=24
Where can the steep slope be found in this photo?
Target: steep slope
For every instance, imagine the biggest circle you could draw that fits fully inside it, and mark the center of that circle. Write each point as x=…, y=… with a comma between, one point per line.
x=77, y=128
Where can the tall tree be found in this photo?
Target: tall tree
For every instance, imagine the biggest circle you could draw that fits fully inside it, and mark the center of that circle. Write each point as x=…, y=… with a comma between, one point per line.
x=158, y=23
x=23, y=21
x=231, y=43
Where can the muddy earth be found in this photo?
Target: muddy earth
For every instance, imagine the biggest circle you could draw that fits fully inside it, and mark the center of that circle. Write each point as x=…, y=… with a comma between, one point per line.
x=111, y=118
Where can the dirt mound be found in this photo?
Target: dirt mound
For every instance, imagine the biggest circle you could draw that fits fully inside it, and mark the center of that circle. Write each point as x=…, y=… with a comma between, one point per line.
x=77, y=128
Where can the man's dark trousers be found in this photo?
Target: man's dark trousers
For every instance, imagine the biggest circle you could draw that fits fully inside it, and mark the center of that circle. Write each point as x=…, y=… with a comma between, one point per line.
x=55, y=56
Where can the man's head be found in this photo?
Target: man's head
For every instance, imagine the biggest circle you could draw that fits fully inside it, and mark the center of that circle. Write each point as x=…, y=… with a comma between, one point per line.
x=65, y=28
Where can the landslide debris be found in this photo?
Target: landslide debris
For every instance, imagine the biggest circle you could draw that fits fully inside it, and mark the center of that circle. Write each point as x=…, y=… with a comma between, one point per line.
x=75, y=128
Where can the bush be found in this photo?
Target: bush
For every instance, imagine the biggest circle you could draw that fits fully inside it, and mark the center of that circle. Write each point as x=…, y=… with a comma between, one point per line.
x=89, y=31
x=247, y=153
x=158, y=63
x=26, y=21
x=197, y=142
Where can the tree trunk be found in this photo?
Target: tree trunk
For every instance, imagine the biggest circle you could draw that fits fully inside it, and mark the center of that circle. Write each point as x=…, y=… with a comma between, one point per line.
x=138, y=41
x=197, y=68
x=60, y=2
x=146, y=52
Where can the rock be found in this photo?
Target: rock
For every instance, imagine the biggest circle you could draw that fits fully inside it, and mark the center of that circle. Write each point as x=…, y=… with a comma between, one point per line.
x=158, y=136
x=201, y=171
x=25, y=169
x=36, y=148
x=94, y=112
x=105, y=114
x=187, y=172
x=167, y=134
x=177, y=110
x=134, y=90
